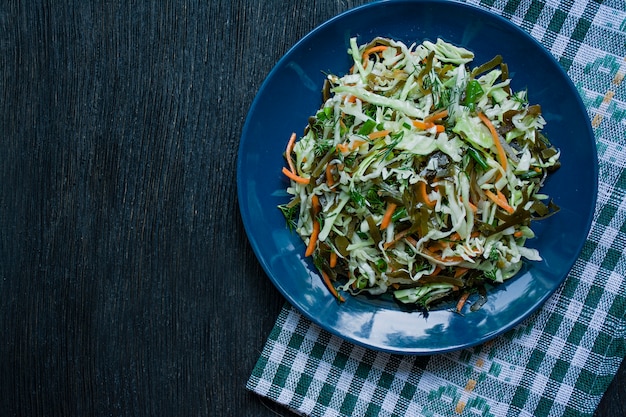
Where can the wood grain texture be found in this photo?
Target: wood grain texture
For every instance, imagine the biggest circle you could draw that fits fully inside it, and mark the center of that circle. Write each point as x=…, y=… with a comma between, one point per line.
x=127, y=284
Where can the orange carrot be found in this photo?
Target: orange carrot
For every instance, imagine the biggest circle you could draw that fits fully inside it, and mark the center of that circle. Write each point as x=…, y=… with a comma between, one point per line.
x=288, y=150
x=316, y=226
x=454, y=237
x=471, y=205
x=391, y=207
x=313, y=239
x=428, y=125
x=436, y=271
x=443, y=258
x=411, y=240
x=343, y=148
x=493, y=197
x=422, y=125
x=436, y=116
x=398, y=237
x=341, y=122
x=518, y=234
x=496, y=139
x=460, y=271
x=315, y=203
x=332, y=262
x=372, y=50
x=295, y=177
x=462, y=301
x=437, y=246
x=424, y=194
x=331, y=287
x=505, y=203
x=379, y=134
x=329, y=176
x=357, y=143
x=500, y=200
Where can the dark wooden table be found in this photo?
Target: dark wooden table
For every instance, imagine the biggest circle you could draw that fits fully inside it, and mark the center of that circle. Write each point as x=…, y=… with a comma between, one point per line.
x=127, y=285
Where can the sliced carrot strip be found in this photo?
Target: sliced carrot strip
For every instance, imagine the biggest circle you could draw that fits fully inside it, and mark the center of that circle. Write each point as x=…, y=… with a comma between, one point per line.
x=504, y=203
x=439, y=245
x=315, y=203
x=288, y=150
x=496, y=139
x=379, y=134
x=460, y=271
x=357, y=143
x=443, y=258
x=500, y=200
x=343, y=148
x=295, y=177
x=329, y=175
x=331, y=287
x=313, y=239
x=397, y=237
x=428, y=125
x=424, y=194
x=462, y=301
x=372, y=50
x=333, y=259
x=436, y=116
x=436, y=271
x=391, y=207
x=455, y=237
x=471, y=205
x=422, y=125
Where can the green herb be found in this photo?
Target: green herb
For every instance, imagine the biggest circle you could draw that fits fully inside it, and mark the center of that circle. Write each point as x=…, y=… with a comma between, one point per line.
x=358, y=198
x=476, y=156
x=399, y=214
x=367, y=127
x=374, y=200
x=473, y=93
x=381, y=265
x=492, y=274
x=322, y=147
x=362, y=282
x=395, y=139
x=290, y=212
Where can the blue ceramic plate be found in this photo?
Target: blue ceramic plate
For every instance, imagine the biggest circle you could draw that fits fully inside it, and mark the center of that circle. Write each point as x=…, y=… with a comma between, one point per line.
x=291, y=93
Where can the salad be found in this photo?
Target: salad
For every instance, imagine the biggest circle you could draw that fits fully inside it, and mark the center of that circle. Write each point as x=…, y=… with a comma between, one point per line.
x=419, y=175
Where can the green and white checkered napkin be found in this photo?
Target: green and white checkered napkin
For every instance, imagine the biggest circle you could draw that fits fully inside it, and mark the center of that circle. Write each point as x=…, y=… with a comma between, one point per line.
x=558, y=362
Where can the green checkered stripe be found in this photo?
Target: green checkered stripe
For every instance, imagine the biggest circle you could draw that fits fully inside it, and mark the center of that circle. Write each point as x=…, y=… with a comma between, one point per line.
x=558, y=362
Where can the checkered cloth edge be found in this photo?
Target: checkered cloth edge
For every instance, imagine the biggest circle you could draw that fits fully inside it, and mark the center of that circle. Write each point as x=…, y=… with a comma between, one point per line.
x=560, y=361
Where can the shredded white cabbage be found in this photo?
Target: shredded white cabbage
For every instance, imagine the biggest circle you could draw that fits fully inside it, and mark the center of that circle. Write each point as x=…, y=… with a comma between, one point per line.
x=418, y=175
